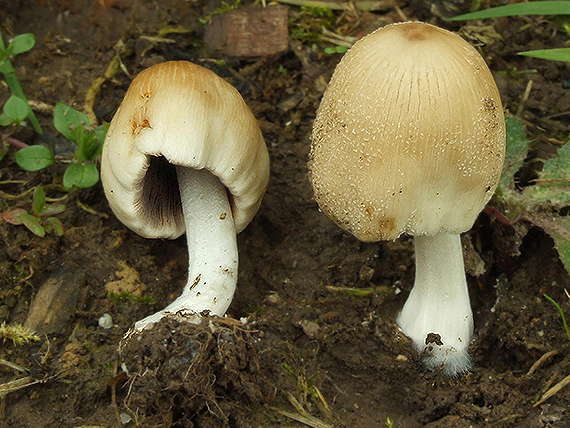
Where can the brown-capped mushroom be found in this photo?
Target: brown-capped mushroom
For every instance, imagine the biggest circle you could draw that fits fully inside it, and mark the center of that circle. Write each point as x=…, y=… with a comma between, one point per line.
x=410, y=139
x=184, y=154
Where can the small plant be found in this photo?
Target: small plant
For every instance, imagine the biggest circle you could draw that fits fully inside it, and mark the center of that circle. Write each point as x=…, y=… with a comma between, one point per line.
x=389, y=423
x=73, y=125
x=40, y=220
x=17, y=333
x=551, y=300
x=531, y=8
x=330, y=50
x=542, y=203
x=224, y=7
x=306, y=23
x=14, y=112
x=17, y=103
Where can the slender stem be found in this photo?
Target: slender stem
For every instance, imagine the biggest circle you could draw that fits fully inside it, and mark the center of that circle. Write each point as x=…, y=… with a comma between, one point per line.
x=14, y=84
x=437, y=315
x=212, y=248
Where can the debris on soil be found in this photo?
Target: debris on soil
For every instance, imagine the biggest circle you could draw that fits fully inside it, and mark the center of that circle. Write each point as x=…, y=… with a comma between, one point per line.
x=249, y=32
x=55, y=301
x=129, y=281
x=199, y=374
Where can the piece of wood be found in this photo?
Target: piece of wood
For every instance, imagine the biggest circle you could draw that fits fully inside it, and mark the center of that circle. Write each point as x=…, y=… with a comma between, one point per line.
x=249, y=32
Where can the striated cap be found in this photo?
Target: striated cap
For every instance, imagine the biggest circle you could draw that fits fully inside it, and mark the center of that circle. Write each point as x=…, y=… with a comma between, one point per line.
x=179, y=113
x=410, y=135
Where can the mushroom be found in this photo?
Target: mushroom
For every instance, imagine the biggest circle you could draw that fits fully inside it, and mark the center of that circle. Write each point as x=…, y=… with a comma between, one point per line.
x=410, y=139
x=184, y=154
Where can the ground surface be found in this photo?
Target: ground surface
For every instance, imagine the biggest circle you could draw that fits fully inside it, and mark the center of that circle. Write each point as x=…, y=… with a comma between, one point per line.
x=307, y=355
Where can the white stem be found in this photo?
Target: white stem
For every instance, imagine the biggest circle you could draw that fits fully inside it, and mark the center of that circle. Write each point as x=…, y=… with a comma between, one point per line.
x=212, y=249
x=437, y=315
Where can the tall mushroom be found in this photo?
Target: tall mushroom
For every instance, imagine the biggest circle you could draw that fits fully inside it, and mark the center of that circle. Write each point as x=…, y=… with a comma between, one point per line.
x=410, y=138
x=184, y=154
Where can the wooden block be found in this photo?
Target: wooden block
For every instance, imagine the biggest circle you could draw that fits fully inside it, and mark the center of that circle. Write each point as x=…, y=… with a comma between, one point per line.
x=249, y=32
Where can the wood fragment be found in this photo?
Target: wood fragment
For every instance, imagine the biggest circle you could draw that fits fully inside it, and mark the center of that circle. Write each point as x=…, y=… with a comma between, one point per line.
x=541, y=360
x=249, y=32
x=552, y=391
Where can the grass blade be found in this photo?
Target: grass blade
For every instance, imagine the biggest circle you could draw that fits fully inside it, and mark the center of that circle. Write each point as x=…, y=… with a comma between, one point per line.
x=517, y=9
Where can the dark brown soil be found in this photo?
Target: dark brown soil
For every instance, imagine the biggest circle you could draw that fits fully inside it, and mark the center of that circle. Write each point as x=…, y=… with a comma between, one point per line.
x=293, y=352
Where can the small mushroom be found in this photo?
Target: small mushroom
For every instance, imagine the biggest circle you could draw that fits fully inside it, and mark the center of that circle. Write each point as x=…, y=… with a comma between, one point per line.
x=410, y=139
x=184, y=154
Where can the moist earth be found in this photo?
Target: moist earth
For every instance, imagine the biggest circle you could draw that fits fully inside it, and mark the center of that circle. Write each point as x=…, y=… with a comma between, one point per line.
x=310, y=338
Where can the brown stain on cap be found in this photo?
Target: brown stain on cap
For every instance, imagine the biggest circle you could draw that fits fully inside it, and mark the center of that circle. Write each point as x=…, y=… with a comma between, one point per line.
x=415, y=33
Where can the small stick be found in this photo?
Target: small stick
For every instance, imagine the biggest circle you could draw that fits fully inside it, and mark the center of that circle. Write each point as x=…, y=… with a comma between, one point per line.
x=16, y=143
x=553, y=390
x=541, y=360
x=524, y=98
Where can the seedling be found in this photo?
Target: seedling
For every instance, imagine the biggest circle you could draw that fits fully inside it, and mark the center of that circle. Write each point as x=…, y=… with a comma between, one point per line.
x=551, y=300
x=335, y=50
x=40, y=220
x=75, y=126
x=15, y=110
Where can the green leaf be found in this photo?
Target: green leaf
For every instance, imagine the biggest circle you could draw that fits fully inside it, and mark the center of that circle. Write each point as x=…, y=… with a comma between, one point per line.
x=52, y=209
x=562, y=54
x=517, y=149
x=66, y=119
x=91, y=148
x=33, y=224
x=16, y=109
x=14, y=216
x=553, y=185
x=80, y=175
x=5, y=120
x=52, y=224
x=34, y=158
x=39, y=201
x=517, y=9
x=22, y=43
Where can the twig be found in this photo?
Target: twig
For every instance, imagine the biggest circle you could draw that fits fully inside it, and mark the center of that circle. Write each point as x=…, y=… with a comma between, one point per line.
x=541, y=360
x=13, y=366
x=361, y=292
x=16, y=143
x=524, y=98
x=307, y=420
x=553, y=390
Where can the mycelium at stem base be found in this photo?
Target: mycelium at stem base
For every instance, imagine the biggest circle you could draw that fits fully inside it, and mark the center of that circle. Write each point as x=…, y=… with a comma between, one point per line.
x=212, y=249
x=437, y=315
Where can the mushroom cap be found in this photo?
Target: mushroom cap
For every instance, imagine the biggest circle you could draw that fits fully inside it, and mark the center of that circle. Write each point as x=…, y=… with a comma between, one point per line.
x=409, y=136
x=179, y=113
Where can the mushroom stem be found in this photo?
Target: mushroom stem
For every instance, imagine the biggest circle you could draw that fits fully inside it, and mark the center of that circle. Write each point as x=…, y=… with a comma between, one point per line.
x=437, y=315
x=212, y=248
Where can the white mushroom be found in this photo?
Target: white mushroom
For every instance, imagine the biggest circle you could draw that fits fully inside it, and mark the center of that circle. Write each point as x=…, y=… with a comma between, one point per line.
x=184, y=153
x=410, y=138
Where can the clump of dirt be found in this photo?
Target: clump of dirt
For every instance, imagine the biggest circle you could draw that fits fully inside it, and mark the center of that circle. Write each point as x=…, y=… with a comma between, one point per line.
x=196, y=375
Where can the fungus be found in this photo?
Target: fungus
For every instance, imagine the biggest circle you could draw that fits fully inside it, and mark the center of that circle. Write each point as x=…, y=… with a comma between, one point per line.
x=410, y=139
x=184, y=154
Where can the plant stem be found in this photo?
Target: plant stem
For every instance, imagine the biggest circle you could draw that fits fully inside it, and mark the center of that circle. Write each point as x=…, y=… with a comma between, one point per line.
x=15, y=87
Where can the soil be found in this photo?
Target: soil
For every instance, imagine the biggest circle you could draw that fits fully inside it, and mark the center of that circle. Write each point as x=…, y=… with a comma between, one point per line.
x=293, y=351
